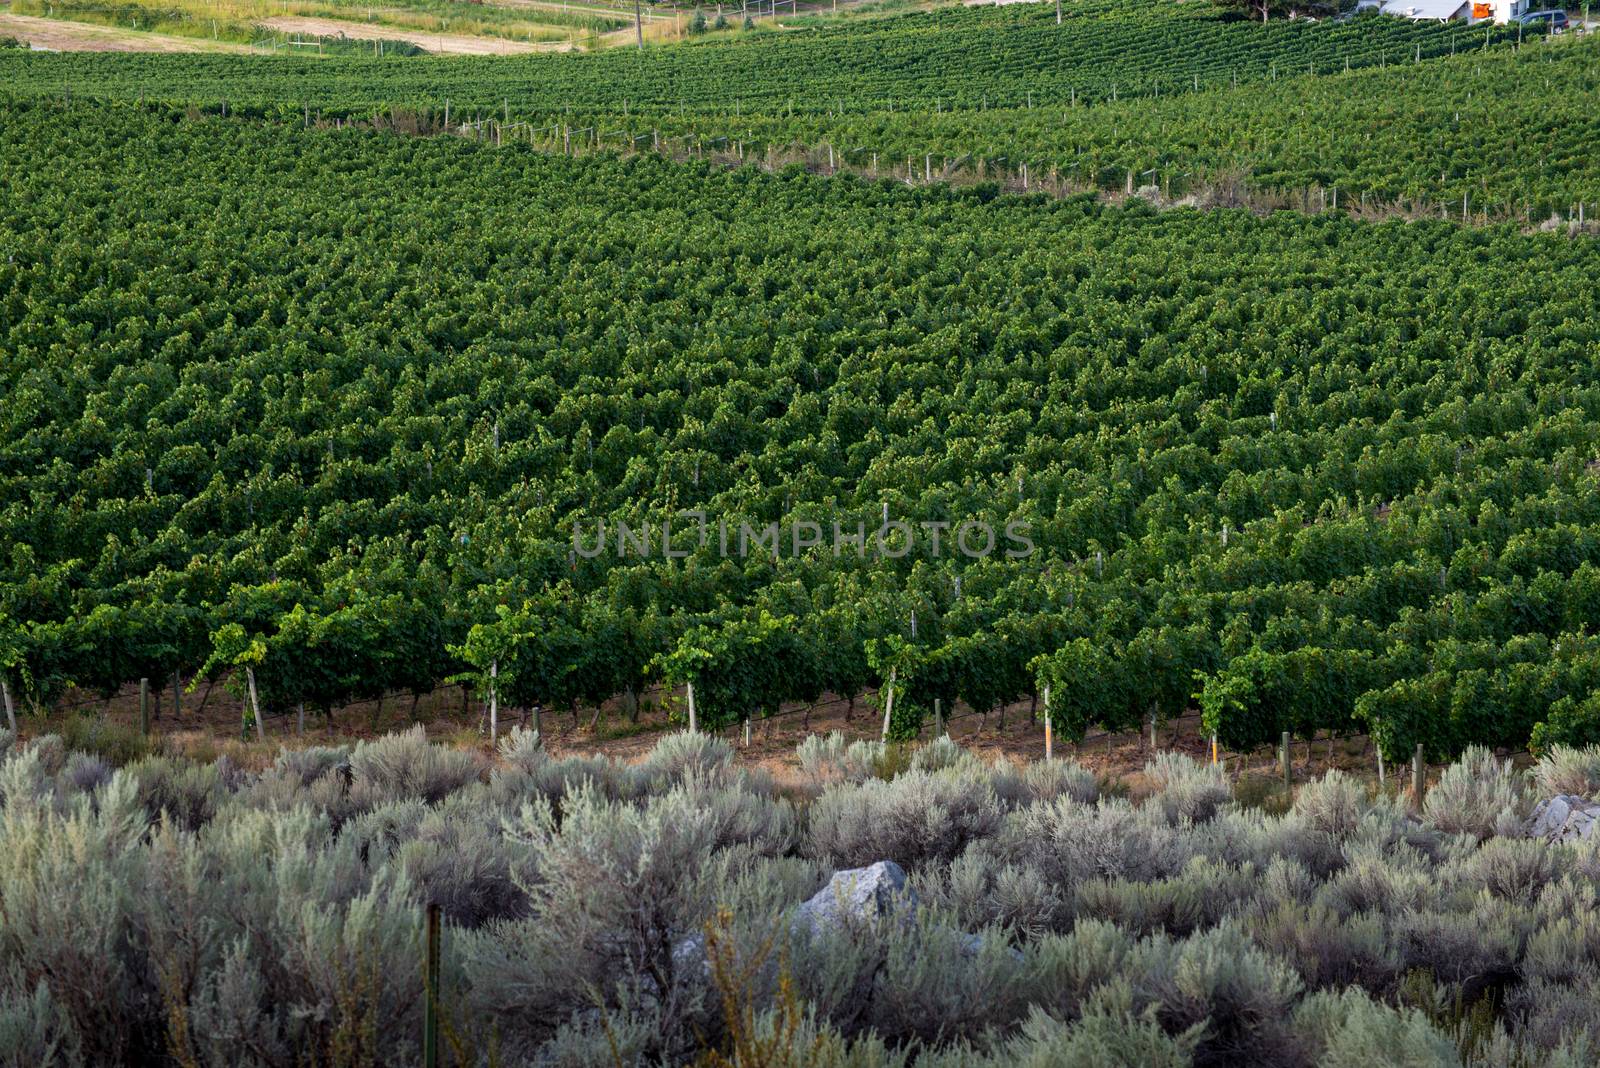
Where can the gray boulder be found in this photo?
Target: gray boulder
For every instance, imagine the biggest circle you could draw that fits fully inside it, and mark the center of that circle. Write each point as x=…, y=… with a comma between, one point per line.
x=851, y=901
x=1564, y=818
x=858, y=897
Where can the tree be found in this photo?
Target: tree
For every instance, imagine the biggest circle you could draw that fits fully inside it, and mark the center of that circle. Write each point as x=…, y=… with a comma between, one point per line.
x=1264, y=9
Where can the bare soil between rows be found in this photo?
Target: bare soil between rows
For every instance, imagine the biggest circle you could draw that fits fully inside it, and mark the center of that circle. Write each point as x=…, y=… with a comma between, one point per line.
x=209, y=723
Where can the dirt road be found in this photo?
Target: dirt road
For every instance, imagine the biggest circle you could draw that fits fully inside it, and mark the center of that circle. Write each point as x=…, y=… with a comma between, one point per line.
x=442, y=43
x=56, y=35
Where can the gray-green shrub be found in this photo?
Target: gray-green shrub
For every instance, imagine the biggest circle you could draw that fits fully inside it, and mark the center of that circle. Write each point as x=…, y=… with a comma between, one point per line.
x=1479, y=795
x=273, y=919
x=915, y=819
x=1568, y=770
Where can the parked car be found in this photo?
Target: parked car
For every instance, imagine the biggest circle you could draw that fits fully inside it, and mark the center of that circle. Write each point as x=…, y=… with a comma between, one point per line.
x=1554, y=21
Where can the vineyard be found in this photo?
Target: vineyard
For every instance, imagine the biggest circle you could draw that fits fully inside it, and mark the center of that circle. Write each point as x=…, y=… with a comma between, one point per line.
x=335, y=414
x=1370, y=116
x=785, y=404
x=964, y=60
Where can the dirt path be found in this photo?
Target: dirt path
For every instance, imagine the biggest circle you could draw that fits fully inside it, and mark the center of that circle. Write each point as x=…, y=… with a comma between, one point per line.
x=209, y=724
x=442, y=43
x=56, y=35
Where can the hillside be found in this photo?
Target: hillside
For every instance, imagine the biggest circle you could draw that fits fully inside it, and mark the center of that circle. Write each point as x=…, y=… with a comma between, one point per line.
x=1375, y=115
x=345, y=393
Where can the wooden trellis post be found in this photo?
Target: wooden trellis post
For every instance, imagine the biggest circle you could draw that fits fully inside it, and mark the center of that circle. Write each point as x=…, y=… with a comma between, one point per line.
x=255, y=705
x=1419, y=776
x=494, y=701
x=888, y=705
x=11, y=712
x=1049, y=737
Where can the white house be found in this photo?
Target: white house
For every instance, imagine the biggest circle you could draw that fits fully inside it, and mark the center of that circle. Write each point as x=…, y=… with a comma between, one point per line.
x=1468, y=11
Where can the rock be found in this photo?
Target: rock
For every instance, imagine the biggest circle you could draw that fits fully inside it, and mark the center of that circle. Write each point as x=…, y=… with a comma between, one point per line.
x=690, y=952
x=1564, y=818
x=851, y=900
x=1552, y=817
x=856, y=897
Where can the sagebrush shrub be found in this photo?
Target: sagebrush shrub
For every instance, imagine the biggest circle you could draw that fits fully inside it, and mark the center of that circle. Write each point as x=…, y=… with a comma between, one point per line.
x=942, y=752
x=551, y=779
x=1070, y=967
x=524, y=750
x=1559, y=1014
x=1516, y=869
x=1326, y=816
x=914, y=819
x=1477, y=795
x=51, y=753
x=939, y=984
x=180, y=790
x=86, y=773
x=69, y=891
x=1198, y=896
x=615, y=890
x=273, y=919
x=467, y=868
x=306, y=766
x=789, y=1037
x=233, y=1011
x=1107, y=1036
x=1070, y=842
x=1347, y=1029
x=686, y=753
x=1222, y=980
x=400, y=766
x=35, y=1032
x=1477, y=949
x=1375, y=880
x=1185, y=790
x=834, y=758
x=981, y=893
x=1331, y=806
x=1565, y=946
x=1567, y=770
x=1329, y=951
x=1049, y=780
